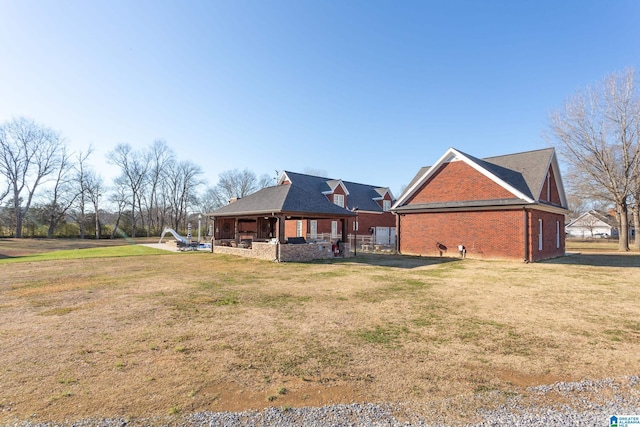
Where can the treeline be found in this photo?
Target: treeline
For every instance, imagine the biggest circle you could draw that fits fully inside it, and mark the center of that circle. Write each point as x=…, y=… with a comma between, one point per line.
x=47, y=191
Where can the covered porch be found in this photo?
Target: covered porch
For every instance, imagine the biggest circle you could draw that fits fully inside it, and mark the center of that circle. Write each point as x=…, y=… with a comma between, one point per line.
x=255, y=226
x=263, y=237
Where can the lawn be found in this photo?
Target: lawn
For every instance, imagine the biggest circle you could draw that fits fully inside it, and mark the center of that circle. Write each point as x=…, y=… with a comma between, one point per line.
x=163, y=334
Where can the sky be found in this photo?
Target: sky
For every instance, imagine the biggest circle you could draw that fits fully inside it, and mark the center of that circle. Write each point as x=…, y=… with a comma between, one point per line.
x=364, y=91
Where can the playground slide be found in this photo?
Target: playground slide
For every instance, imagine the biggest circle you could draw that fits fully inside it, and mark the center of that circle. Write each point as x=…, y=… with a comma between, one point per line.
x=178, y=237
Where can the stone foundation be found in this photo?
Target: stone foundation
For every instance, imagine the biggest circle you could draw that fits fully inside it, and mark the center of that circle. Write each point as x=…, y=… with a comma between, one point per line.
x=283, y=252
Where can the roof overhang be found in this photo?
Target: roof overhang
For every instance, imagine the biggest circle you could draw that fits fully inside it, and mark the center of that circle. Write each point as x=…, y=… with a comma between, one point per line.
x=477, y=205
x=292, y=214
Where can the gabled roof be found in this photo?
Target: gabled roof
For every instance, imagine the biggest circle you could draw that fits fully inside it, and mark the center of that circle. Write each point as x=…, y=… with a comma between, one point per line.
x=522, y=174
x=335, y=183
x=360, y=196
x=282, y=199
x=598, y=216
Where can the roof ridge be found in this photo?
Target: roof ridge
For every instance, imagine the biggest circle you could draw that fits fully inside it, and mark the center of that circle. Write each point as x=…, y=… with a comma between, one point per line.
x=518, y=153
x=335, y=179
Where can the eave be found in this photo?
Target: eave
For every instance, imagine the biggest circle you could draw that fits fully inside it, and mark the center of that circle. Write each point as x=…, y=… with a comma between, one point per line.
x=478, y=205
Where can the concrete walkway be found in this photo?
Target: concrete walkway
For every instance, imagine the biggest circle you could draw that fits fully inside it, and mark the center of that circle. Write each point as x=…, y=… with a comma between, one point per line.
x=164, y=246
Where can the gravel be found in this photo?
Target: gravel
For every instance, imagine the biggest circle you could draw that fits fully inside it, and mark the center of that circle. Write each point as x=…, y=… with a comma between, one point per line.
x=561, y=404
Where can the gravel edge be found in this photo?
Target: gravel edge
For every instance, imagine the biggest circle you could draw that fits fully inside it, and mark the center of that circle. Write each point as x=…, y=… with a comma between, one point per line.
x=583, y=406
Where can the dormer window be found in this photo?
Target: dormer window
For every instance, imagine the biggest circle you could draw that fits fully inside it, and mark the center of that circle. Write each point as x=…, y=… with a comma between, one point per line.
x=386, y=205
x=338, y=199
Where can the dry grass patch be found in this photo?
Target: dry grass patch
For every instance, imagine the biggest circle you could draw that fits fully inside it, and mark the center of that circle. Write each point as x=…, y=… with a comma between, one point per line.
x=165, y=335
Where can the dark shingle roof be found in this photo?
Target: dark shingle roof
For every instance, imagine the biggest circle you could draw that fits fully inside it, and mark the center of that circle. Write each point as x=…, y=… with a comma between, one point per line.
x=525, y=171
x=531, y=165
x=289, y=198
x=361, y=196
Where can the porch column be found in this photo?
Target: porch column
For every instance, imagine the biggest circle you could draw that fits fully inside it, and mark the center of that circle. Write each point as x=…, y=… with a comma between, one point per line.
x=280, y=228
x=235, y=230
x=345, y=229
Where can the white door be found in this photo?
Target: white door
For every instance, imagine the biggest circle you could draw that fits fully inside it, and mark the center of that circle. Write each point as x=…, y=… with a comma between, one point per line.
x=382, y=235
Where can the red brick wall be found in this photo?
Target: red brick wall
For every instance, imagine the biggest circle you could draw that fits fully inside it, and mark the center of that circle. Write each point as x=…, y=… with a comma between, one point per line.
x=369, y=220
x=554, y=193
x=339, y=190
x=551, y=225
x=365, y=221
x=485, y=234
x=381, y=204
x=456, y=181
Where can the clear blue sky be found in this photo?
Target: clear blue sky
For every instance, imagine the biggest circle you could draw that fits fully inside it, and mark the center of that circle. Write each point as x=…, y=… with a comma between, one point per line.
x=367, y=91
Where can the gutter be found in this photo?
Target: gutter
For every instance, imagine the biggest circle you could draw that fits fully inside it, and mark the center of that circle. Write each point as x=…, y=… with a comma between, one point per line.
x=526, y=235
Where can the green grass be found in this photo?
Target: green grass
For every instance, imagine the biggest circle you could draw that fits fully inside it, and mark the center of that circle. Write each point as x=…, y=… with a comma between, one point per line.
x=387, y=335
x=107, y=252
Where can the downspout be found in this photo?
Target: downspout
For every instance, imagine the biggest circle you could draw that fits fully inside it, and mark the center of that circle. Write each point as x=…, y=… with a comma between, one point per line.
x=526, y=235
x=397, y=233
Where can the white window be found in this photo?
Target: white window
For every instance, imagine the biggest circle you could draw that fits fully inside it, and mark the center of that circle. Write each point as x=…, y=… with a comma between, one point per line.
x=355, y=225
x=386, y=205
x=338, y=199
x=313, y=225
x=558, y=234
x=539, y=234
x=298, y=228
x=334, y=229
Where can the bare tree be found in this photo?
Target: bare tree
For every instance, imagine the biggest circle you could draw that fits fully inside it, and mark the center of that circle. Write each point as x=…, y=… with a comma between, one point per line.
x=93, y=190
x=160, y=158
x=211, y=199
x=233, y=184
x=29, y=154
x=183, y=180
x=63, y=193
x=636, y=209
x=133, y=169
x=237, y=183
x=80, y=180
x=5, y=192
x=598, y=133
x=120, y=198
x=265, y=181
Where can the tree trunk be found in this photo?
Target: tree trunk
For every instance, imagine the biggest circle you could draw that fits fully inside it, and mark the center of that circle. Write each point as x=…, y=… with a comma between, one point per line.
x=623, y=232
x=115, y=227
x=52, y=227
x=19, y=223
x=636, y=225
x=18, y=211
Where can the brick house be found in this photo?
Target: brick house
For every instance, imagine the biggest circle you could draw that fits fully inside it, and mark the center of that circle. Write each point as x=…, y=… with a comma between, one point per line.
x=373, y=224
x=510, y=207
x=255, y=226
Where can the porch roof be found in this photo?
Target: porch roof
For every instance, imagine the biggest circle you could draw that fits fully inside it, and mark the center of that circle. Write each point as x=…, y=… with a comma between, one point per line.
x=287, y=199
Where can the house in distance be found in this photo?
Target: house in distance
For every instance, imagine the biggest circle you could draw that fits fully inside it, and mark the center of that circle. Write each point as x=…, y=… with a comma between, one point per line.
x=510, y=207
